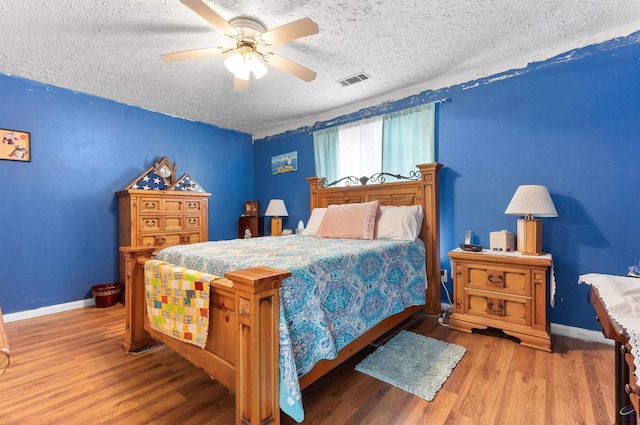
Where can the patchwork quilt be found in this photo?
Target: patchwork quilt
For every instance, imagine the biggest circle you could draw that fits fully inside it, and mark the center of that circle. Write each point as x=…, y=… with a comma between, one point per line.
x=338, y=289
x=178, y=301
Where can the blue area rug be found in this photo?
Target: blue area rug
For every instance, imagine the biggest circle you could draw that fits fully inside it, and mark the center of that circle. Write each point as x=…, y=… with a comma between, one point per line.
x=415, y=363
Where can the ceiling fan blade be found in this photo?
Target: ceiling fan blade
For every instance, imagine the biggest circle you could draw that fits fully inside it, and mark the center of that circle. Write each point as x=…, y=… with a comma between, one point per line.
x=240, y=85
x=289, y=66
x=201, y=8
x=290, y=31
x=193, y=54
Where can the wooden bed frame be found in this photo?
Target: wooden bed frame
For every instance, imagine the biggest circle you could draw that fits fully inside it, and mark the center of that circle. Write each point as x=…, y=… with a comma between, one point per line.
x=242, y=351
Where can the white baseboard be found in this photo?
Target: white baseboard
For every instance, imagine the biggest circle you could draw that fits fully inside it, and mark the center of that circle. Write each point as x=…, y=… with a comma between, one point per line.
x=43, y=311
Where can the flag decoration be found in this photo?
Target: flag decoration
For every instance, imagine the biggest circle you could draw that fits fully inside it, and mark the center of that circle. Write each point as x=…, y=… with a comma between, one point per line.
x=186, y=183
x=150, y=180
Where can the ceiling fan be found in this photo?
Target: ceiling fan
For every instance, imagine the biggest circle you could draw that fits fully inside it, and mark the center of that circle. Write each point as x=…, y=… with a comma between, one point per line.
x=250, y=37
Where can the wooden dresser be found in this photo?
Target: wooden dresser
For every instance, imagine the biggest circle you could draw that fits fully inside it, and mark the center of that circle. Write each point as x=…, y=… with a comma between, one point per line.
x=161, y=218
x=506, y=291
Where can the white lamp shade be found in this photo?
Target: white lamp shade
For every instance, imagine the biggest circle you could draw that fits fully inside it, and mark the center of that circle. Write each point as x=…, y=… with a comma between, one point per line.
x=276, y=208
x=531, y=201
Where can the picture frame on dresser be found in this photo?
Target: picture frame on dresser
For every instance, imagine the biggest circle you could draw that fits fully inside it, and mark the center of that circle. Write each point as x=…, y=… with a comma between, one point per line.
x=251, y=208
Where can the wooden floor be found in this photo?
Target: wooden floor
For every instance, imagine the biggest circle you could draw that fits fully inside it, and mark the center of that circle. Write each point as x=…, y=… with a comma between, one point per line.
x=68, y=368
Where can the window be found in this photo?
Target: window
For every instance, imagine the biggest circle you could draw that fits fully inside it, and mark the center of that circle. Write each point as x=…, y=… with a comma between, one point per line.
x=393, y=143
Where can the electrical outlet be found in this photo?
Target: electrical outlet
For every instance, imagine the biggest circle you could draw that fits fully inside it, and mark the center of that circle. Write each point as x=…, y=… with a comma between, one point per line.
x=443, y=276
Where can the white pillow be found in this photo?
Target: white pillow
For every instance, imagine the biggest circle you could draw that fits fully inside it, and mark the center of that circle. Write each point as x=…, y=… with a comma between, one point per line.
x=401, y=223
x=314, y=221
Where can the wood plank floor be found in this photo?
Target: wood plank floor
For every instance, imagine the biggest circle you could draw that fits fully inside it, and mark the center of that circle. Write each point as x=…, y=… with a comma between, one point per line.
x=68, y=368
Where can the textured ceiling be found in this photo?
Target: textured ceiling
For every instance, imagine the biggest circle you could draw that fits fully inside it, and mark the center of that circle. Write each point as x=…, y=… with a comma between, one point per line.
x=112, y=49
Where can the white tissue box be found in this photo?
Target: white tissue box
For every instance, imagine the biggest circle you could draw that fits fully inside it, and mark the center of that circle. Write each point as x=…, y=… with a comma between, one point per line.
x=501, y=241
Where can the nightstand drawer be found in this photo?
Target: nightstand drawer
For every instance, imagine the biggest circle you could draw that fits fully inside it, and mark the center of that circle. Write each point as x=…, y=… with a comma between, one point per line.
x=506, y=308
x=492, y=277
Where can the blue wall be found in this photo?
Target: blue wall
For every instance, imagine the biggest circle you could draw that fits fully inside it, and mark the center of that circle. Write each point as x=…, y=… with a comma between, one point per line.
x=571, y=123
x=59, y=213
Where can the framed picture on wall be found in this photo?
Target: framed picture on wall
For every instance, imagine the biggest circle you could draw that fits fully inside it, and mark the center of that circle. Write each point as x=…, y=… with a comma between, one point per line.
x=16, y=145
x=285, y=163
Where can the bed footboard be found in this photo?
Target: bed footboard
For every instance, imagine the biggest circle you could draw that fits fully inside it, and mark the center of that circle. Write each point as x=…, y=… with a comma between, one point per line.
x=254, y=374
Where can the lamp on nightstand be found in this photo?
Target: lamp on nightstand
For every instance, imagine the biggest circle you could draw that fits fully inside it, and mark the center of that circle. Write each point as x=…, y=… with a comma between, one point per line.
x=529, y=201
x=276, y=209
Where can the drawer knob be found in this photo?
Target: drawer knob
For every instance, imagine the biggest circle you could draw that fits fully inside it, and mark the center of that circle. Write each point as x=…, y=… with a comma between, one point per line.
x=150, y=223
x=499, y=277
x=160, y=241
x=150, y=205
x=630, y=390
x=185, y=239
x=500, y=307
x=193, y=221
x=192, y=205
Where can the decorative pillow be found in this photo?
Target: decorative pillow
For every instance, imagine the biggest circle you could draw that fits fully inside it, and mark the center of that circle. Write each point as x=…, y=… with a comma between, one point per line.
x=314, y=221
x=349, y=221
x=401, y=223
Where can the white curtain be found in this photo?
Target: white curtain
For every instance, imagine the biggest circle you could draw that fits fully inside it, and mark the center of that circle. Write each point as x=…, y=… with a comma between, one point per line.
x=360, y=153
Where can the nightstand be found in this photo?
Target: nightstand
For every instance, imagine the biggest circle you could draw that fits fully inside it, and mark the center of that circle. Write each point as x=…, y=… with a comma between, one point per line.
x=503, y=290
x=255, y=224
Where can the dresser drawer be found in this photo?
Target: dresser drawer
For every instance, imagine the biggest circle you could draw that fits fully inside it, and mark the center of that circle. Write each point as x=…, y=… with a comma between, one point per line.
x=155, y=223
x=150, y=223
x=165, y=239
x=193, y=205
x=193, y=222
x=509, y=280
x=503, y=307
x=149, y=205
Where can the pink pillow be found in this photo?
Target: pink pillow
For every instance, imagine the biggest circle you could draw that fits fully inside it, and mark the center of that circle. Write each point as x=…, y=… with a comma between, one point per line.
x=349, y=221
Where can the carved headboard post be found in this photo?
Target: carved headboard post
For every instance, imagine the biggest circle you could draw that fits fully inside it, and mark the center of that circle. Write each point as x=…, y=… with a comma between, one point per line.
x=431, y=227
x=314, y=184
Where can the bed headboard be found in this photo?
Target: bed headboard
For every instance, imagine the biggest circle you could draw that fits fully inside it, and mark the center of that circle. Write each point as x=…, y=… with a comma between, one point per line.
x=424, y=191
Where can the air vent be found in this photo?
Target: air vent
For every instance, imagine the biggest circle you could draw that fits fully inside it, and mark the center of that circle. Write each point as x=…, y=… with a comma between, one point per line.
x=353, y=79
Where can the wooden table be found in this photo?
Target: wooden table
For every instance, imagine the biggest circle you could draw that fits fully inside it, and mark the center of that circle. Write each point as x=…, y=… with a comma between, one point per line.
x=626, y=388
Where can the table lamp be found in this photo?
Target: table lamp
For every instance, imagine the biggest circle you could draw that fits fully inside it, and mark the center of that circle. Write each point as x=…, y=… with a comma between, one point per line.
x=529, y=201
x=276, y=209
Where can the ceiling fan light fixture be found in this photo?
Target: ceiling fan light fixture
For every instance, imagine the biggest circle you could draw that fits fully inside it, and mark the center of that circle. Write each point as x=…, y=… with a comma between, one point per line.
x=234, y=63
x=255, y=65
x=242, y=64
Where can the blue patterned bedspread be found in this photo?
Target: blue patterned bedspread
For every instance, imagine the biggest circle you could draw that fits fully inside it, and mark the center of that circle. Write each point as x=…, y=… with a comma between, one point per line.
x=338, y=289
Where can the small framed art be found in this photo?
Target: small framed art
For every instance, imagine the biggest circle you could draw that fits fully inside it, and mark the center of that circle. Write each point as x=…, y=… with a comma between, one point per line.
x=251, y=208
x=16, y=145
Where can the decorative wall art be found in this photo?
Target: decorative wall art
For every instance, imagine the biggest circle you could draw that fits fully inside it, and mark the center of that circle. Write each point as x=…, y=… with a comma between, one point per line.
x=284, y=163
x=16, y=145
